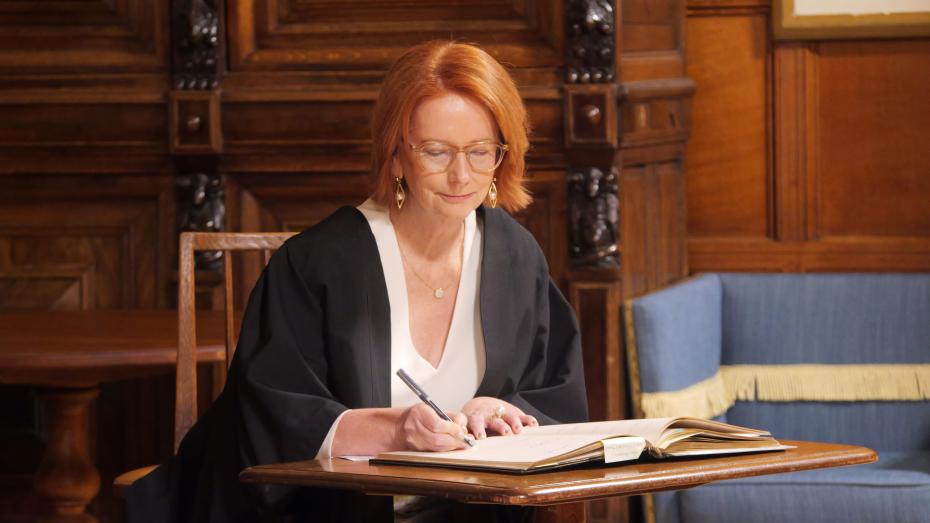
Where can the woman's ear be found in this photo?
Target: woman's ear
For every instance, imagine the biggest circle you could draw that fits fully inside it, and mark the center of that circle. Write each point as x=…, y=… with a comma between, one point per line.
x=397, y=170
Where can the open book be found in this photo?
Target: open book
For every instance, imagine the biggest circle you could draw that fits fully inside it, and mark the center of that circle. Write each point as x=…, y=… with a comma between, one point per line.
x=556, y=446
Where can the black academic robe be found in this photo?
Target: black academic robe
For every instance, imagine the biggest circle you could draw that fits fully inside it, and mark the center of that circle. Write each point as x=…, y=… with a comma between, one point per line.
x=315, y=341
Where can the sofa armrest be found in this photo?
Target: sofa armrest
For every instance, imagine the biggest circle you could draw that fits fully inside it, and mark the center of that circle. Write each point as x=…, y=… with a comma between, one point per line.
x=674, y=339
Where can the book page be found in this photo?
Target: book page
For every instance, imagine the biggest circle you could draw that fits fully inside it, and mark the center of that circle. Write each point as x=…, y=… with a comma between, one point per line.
x=543, y=443
x=525, y=448
x=649, y=429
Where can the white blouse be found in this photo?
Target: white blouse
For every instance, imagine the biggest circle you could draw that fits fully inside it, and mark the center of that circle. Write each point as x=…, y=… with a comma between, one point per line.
x=461, y=368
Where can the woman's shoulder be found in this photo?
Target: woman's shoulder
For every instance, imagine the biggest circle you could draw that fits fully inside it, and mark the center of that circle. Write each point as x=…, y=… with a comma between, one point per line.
x=345, y=223
x=335, y=239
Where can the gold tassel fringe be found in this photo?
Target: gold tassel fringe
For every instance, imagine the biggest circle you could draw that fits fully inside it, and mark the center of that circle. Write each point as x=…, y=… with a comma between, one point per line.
x=713, y=396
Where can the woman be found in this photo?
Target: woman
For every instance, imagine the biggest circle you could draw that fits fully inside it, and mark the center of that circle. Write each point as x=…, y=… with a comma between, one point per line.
x=427, y=275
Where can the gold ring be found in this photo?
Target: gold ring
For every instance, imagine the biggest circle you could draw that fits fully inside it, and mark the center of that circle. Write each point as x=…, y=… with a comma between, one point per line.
x=499, y=412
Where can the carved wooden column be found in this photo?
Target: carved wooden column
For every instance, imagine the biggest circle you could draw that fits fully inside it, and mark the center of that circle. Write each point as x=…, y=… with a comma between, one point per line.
x=626, y=101
x=591, y=145
x=196, y=143
x=194, y=109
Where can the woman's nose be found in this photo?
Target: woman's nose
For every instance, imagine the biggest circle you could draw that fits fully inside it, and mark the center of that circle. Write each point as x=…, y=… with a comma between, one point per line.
x=459, y=171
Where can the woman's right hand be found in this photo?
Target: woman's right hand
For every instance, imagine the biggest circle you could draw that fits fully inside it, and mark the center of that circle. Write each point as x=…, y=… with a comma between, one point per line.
x=420, y=428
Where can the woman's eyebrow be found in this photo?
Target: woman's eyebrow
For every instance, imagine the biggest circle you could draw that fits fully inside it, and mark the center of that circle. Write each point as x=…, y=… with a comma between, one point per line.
x=482, y=140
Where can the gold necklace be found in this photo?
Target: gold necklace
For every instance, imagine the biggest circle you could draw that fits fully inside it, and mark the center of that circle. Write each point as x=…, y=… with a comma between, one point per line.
x=438, y=292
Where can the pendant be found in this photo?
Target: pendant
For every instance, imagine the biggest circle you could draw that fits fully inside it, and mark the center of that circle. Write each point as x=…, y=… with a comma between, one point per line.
x=439, y=293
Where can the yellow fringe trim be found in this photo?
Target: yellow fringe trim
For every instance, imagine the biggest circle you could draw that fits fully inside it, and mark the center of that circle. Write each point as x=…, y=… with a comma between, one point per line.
x=713, y=396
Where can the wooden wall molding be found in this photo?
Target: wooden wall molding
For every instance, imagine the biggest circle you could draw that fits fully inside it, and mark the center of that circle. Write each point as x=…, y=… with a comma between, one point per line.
x=795, y=132
x=656, y=112
x=45, y=36
x=52, y=286
x=367, y=35
x=120, y=231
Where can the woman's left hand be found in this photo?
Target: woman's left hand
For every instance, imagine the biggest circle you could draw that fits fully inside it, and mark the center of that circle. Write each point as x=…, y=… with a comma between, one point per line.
x=495, y=415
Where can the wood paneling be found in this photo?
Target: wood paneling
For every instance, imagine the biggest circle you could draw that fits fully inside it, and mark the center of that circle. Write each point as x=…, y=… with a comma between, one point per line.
x=806, y=156
x=47, y=36
x=117, y=226
x=654, y=228
x=367, y=35
x=47, y=286
x=727, y=161
x=872, y=111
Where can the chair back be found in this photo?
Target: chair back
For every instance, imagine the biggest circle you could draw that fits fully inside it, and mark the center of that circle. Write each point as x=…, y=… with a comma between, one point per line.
x=185, y=406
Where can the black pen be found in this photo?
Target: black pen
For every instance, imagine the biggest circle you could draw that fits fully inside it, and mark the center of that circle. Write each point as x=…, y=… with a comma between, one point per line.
x=425, y=399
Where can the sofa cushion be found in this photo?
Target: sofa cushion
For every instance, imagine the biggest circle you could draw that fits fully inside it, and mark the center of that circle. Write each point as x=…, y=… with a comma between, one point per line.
x=881, y=425
x=896, y=488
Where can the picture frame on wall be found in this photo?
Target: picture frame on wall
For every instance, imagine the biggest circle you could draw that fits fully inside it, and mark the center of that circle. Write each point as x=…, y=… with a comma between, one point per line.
x=849, y=19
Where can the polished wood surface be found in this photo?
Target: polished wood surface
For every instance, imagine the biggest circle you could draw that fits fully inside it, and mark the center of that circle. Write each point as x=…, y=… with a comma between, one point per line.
x=555, y=487
x=66, y=348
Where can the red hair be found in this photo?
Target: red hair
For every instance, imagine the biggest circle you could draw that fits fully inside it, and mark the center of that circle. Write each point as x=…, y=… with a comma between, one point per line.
x=438, y=67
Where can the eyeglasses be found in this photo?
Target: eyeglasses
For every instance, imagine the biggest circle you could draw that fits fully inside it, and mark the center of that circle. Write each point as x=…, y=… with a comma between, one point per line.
x=482, y=157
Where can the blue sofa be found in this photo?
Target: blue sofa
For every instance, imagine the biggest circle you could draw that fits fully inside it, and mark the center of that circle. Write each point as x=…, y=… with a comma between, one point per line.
x=842, y=358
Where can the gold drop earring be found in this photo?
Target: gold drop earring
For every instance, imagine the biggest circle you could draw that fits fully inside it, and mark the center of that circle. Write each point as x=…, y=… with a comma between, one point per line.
x=492, y=194
x=399, y=194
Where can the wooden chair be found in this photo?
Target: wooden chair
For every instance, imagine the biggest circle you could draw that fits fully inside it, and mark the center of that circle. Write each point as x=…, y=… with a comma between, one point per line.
x=185, y=402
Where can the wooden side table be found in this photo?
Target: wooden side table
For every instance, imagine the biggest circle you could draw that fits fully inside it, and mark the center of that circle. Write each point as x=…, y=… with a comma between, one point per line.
x=561, y=493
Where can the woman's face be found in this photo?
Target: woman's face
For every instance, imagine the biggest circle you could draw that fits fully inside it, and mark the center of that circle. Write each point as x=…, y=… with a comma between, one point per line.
x=458, y=121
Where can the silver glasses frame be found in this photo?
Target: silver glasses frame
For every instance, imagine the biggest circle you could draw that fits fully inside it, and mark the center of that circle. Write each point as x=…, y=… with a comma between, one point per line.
x=417, y=149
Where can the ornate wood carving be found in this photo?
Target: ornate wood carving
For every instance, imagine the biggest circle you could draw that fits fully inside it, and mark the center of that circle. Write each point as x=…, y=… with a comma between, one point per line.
x=195, y=29
x=590, y=46
x=195, y=132
x=594, y=214
x=201, y=208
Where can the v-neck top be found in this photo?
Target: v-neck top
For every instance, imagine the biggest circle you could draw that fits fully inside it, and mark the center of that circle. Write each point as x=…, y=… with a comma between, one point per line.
x=461, y=367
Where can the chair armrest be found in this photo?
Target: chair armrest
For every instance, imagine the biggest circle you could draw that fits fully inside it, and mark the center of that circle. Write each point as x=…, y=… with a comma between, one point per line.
x=125, y=480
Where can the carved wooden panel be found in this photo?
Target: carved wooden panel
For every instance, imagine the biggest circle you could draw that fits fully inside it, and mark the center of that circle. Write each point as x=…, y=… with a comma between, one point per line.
x=114, y=230
x=48, y=286
x=47, y=36
x=366, y=35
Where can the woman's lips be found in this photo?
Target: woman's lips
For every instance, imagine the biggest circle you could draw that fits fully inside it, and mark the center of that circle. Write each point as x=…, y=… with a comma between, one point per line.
x=455, y=198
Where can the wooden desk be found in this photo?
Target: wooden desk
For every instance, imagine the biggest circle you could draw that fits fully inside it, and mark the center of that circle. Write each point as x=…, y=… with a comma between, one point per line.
x=561, y=492
x=68, y=354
